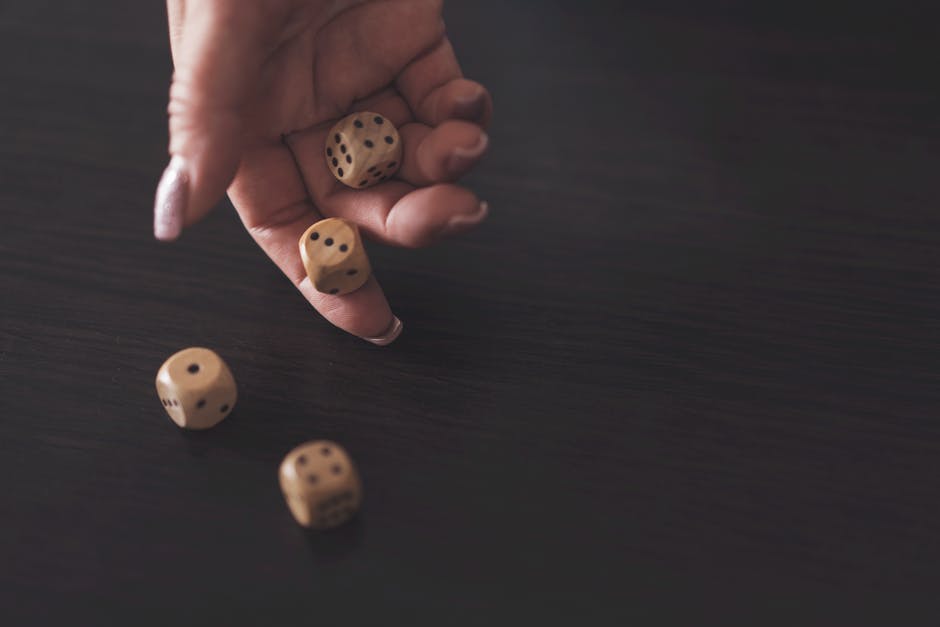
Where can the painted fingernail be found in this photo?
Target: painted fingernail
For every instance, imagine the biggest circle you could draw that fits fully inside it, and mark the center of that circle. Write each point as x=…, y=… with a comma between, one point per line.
x=462, y=158
x=470, y=107
x=169, y=207
x=389, y=336
x=462, y=222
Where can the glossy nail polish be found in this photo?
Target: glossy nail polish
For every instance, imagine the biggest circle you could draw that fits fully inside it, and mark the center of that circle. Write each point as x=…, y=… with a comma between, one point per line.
x=463, y=221
x=169, y=208
x=389, y=336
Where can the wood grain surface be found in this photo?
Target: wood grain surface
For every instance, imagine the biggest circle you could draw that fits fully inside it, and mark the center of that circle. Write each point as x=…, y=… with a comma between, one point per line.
x=687, y=372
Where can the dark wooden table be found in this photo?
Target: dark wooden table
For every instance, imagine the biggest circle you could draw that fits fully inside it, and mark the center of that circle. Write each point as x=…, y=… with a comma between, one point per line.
x=688, y=370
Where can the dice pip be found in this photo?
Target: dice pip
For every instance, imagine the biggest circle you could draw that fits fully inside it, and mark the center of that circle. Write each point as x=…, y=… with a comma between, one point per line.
x=334, y=256
x=320, y=484
x=197, y=388
x=363, y=149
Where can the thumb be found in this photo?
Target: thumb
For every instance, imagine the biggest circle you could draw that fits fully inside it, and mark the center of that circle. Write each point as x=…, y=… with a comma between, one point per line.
x=218, y=57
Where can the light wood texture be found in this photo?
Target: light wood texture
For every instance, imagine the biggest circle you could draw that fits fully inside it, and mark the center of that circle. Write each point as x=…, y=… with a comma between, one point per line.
x=363, y=149
x=196, y=388
x=320, y=484
x=334, y=256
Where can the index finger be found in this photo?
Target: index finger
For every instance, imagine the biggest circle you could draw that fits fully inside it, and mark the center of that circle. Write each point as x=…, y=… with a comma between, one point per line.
x=273, y=205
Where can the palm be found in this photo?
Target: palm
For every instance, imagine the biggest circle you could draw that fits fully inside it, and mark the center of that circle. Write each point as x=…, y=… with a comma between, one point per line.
x=354, y=62
x=320, y=72
x=390, y=57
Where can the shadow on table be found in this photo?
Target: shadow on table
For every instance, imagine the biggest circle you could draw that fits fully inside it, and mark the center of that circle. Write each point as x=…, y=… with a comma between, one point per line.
x=333, y=545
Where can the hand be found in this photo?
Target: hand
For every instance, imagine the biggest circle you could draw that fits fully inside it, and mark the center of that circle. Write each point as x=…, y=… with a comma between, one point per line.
x=256, y=88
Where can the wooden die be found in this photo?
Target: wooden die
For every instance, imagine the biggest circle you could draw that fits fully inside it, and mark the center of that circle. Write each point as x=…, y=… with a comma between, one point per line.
x=197, y=388
x=320, y=484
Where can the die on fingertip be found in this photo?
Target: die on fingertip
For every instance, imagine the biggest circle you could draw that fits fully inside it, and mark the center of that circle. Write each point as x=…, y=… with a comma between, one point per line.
x=334, y=257
x=320, y=484
x=363, y=149
x=197, y=388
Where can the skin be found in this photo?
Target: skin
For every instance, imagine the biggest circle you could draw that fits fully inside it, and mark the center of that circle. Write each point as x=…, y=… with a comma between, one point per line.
x=259, y=84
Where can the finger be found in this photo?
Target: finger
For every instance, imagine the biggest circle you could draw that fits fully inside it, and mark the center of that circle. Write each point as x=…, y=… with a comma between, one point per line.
x=430, y=213
x=364, y=313
x=441, y=154
x=411, y=219
x=271, y=201
x=218, y=61
x=357, y=311
x=434, y=88
x=267, y=188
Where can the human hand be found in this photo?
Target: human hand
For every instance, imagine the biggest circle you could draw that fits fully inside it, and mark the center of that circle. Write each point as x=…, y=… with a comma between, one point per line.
x=256, y=88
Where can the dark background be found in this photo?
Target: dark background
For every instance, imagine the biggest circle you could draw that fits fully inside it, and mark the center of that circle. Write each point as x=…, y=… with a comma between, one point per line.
x=687, y=372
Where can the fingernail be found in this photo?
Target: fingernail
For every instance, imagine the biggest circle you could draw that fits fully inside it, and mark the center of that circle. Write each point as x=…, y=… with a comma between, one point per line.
x=389, y=336
x=462, y=222
x=169, y=206
x=462, y=158
x=470, y=107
